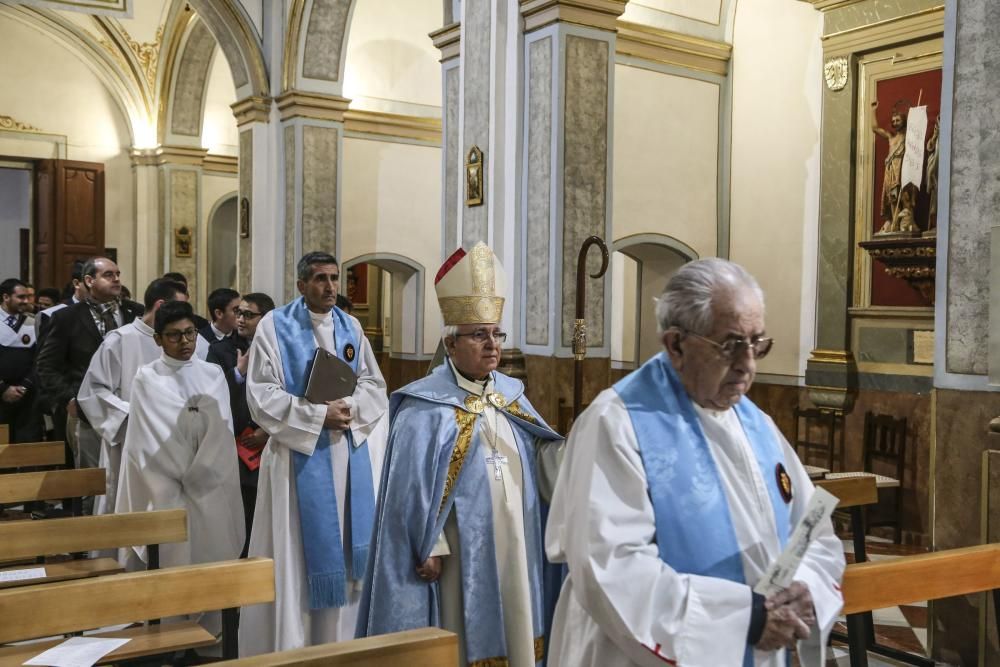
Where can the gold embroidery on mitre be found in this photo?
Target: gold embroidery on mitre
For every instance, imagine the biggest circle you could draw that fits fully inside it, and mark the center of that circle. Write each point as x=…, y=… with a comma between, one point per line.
x=491, y=662
x=539, y=648
x=483, y=274
x=515, y=410
x=471, y=309
x=466, y=423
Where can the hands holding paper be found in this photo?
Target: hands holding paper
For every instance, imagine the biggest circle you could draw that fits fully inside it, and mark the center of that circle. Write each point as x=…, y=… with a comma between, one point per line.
x=790, y=613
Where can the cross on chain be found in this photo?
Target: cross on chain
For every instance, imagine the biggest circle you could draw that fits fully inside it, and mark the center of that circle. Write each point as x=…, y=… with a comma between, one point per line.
x=496, y=459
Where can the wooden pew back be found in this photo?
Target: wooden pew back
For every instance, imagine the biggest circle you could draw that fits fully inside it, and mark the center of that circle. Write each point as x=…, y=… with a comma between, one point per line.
x=51, y=485
x=27, y=539
x=851, y=491
x=28, y=454
x=60, y=608
x=4, y=434
x=425, y=647
x=942, y=574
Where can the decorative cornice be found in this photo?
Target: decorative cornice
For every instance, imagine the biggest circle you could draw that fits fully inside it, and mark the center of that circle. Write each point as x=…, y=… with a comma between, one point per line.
x=672, y=48
x=161, y=155
x=831, y=356
x=146, y=53
x=252, y=109
x=827, y=5
x=600, y=14
x=448, y=40
x=9, y=123
x=221, y=164
x=909, y=27
x=296, y=103
x=393, y=126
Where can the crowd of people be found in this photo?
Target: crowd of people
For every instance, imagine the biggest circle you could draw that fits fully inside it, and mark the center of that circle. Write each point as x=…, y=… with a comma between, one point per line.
x=450, y=503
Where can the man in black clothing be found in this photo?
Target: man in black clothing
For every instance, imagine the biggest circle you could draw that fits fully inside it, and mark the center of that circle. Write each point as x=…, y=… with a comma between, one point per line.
x=222, y=306
x=75, y=334
x=47, y=297
x=232, y=354
x=178, y=277
x=17, y=356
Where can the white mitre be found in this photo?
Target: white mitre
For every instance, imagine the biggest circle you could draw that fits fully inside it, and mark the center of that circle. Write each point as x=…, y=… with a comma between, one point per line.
x=470, y=286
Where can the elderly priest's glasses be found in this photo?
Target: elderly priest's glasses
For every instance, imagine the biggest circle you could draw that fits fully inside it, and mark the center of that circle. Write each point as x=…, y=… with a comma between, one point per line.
x=732, y=348
x=175, y=336
x=481, y=336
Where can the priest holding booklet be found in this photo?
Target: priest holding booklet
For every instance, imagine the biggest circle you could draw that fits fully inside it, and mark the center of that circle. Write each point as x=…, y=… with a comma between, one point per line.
x=320, y=471
x=675, y=496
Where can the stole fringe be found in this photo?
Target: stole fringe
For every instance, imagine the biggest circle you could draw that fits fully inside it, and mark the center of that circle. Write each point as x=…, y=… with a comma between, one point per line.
x=327, y=590
x=359, y=562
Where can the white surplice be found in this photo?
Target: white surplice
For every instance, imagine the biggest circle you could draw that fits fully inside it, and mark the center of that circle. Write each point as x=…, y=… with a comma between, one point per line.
x=106, y=390
x=621, y=605
x=294, y=424
x=179, y=452
x=508, y=536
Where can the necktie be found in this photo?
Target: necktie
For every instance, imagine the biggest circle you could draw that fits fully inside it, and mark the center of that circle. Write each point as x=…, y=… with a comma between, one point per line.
x=108, y=318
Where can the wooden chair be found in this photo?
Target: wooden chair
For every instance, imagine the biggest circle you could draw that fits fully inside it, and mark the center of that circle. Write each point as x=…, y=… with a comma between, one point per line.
x=74, y=606
x=885, y=444
x=36, y=539
x=426, y=647
x=32, y=454
x=881, y=584
x=828, y=444
x=27, y=487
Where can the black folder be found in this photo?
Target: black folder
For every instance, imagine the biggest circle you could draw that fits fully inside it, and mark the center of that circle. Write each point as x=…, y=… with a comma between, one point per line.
x=330, y=378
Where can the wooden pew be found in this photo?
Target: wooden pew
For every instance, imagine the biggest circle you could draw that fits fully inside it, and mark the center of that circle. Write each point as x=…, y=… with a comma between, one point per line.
x=4, y=434
x=30, y=454
x=60, y=608
x=52, y=485
x=870, y=586
x=32, y=539
x=425, y=647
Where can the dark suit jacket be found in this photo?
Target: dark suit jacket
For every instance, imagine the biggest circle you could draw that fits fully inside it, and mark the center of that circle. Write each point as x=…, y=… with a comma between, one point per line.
x=209, y=335
x=70, y=342
x=223, y=353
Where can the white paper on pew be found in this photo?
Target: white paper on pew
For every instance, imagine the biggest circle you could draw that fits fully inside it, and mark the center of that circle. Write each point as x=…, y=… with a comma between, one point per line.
x=782, y=571
x=77, y=652
x=22, y=574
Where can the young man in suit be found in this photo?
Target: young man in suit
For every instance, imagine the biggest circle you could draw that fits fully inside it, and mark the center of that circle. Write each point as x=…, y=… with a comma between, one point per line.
x=74, y=335
x=17, y=355
x=222, y=306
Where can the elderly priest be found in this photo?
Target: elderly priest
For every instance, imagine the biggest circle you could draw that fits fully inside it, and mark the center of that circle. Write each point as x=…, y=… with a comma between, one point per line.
x=316, y=490
x=675, y=496
x=458, y=536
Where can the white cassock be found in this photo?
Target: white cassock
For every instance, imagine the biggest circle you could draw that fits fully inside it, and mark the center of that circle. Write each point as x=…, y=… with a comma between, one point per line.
x=621, y=604
x=106, y=390
x=294, y=424
x=508, y=535
x=179, y=452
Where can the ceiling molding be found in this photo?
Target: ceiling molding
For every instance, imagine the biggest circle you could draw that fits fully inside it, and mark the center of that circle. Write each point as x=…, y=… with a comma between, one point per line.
x=600, y=14
x=673, y=48
x=448, y=40
x=299, y=104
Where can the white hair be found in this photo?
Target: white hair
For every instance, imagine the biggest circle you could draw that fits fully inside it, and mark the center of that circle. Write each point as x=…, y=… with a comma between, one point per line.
x=449, y=331
x=686, y=303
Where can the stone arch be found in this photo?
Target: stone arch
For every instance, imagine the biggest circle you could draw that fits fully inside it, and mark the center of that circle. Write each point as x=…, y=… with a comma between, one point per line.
x=185, y=85
x=239, y=42
x=315, y=45
x=407, y=299
x=651, y=259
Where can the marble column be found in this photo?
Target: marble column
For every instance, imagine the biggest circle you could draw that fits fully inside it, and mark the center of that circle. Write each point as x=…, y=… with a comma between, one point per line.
x=148, y=250
x=448, y=40
x=312, y=132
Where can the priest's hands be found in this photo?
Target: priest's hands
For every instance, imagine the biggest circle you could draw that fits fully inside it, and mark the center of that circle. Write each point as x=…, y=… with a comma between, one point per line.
x=338, y=415
x=13, y=394
x=430, y=570
x=789, y=614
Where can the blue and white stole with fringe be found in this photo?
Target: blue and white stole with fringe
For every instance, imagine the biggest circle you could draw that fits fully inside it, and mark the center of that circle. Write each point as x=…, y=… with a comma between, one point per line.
x=694, y=529
x=317, y=497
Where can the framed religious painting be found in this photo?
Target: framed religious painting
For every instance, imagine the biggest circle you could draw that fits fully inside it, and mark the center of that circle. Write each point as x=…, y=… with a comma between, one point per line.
x=897, y=120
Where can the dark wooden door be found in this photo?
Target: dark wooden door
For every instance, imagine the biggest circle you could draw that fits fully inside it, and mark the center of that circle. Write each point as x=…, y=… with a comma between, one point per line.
x=69, y=217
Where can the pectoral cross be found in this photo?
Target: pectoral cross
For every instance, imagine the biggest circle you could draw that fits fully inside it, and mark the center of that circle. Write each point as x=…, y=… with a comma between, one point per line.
x=496, y=459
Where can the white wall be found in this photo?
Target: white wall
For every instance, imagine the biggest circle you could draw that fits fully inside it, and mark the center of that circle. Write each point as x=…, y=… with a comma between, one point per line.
x=777, y=79
x=46, y=86
x=391, y=203
x=15, y=215
x=218, y=130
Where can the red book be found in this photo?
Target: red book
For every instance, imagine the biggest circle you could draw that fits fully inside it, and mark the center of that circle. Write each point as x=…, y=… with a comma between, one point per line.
x=248, y=453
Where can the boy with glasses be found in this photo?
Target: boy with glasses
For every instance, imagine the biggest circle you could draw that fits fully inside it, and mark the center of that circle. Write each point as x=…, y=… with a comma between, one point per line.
x=178, y=449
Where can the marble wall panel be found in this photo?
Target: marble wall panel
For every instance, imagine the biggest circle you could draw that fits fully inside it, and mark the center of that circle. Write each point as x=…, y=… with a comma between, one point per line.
x=288, y=139
x=192, y=78
x=245, y=270
x=184, y=213
x=325, y=39
x=975, y=185
x=585, y=185
x=867, y=12
x=477, y=91
x=452, y=158
x=319, y=189
x=539, y=179
x=207, y=10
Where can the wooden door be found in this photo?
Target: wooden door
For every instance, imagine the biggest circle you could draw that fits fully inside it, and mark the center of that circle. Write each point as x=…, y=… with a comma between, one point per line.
x=69, y=217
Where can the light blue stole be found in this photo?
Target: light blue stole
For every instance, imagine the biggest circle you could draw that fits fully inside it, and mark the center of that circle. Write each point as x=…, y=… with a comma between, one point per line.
x=317, y=497
x=694, y=530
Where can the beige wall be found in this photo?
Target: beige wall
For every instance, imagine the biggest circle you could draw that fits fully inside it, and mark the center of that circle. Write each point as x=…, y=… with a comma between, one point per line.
x=391, y=203
x=777, y=79
x=218, y=130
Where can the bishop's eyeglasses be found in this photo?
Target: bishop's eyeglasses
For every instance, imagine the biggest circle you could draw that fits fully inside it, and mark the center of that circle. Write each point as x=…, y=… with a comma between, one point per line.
x=480, y=336
x=732, y=348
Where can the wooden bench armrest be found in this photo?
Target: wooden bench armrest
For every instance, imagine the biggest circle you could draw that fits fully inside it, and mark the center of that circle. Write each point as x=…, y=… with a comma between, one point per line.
x=21, y=539
x=32, y=454
x=54, y=609
x=424, y=646
x=851, y=491
x=25, y=487
x=942, y=574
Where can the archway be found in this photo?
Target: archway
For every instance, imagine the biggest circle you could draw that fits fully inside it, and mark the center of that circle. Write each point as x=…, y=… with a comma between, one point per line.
x=222, y=242
x=642, y=264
